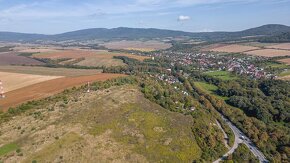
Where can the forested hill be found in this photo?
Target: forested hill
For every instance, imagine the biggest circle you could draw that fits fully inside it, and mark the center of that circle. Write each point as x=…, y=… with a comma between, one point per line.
x=146, y=33
x=284, y=37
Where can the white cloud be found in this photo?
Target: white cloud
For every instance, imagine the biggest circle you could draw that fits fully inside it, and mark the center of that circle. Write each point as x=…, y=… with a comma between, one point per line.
x=183, y=18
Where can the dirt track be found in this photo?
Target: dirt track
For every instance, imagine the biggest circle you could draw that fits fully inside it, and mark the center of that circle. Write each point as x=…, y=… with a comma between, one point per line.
x=48, y=88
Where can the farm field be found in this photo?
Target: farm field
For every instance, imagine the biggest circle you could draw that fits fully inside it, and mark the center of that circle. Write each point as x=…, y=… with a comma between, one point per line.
x=284, y=77
x=11, y=58
x=48, y=88
x=91, y=58
x=252, y=48
x=285, y=46
x=286, y=61
x=269, y=53
x=258, y=44
x=114, y=125
x=35, y=70
x=234, y=48
x=14, y=81
x=146, y=46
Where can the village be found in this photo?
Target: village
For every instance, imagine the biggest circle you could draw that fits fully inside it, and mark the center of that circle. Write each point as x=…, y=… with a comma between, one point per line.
x=208, y=61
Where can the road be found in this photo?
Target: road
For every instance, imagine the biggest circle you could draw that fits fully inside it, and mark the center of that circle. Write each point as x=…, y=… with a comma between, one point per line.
x=240, y=137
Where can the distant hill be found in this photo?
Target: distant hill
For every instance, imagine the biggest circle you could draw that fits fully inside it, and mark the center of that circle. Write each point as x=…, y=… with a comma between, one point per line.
x=270, y=29
x=12, y=36
x=118, y=33
x=148, y=33
x=281, y=38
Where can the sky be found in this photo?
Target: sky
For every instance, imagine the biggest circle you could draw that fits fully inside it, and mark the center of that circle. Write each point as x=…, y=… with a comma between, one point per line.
x=58, y=16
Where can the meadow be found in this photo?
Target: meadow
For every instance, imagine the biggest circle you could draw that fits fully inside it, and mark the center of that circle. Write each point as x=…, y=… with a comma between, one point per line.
x=224, y=75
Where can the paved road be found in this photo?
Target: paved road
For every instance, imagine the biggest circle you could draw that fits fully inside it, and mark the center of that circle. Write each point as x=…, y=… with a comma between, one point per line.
x=242, y=138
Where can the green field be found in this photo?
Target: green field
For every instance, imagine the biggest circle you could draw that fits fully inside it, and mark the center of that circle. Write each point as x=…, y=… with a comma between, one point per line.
x=209, y=88
x=276, y=65
x=8, y=148
x=285, y=73
x=224, y=75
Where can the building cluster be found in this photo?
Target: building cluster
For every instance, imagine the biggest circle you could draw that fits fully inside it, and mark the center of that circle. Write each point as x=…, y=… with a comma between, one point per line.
x=244, y=65
x=167, y=78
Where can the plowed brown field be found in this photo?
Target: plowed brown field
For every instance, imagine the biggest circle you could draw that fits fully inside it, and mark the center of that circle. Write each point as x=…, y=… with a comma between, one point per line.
x=48, y=88
x=286, y=61
x=11, y=58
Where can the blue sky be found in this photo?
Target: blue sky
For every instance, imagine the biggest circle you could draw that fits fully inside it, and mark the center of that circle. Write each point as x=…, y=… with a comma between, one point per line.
x=57, y=16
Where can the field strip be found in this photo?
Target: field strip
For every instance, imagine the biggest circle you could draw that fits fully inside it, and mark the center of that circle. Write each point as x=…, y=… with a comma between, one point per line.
x=49, y=88
x=36, y=70
x=14, y=81
x=285, y=77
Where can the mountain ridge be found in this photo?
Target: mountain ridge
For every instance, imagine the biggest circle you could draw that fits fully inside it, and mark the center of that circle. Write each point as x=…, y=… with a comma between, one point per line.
x=146, y=33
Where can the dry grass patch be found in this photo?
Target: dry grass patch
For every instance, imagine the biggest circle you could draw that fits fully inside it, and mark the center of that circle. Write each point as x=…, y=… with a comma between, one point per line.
x=112, y=125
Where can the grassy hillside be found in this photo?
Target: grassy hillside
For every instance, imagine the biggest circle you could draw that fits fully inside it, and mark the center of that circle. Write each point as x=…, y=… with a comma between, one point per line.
x=114, y=124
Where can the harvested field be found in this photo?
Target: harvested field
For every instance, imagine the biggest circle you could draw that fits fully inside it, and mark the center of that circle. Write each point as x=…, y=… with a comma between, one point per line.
x=234, y=48
x=91, y=58
x=285, y=46
x=137, y=45
x=258, y=44
x=11, y=58
x=212, y=46
x=14, y=81
x=286, y=61
x=101, y=61
x=269, y=53
x=74, y=54
x=35, y=70
x=36, y=50
x=48, y=88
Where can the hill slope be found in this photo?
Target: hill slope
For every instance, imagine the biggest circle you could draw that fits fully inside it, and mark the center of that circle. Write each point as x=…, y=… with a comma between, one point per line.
x=117, y=124
x=281, y=38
